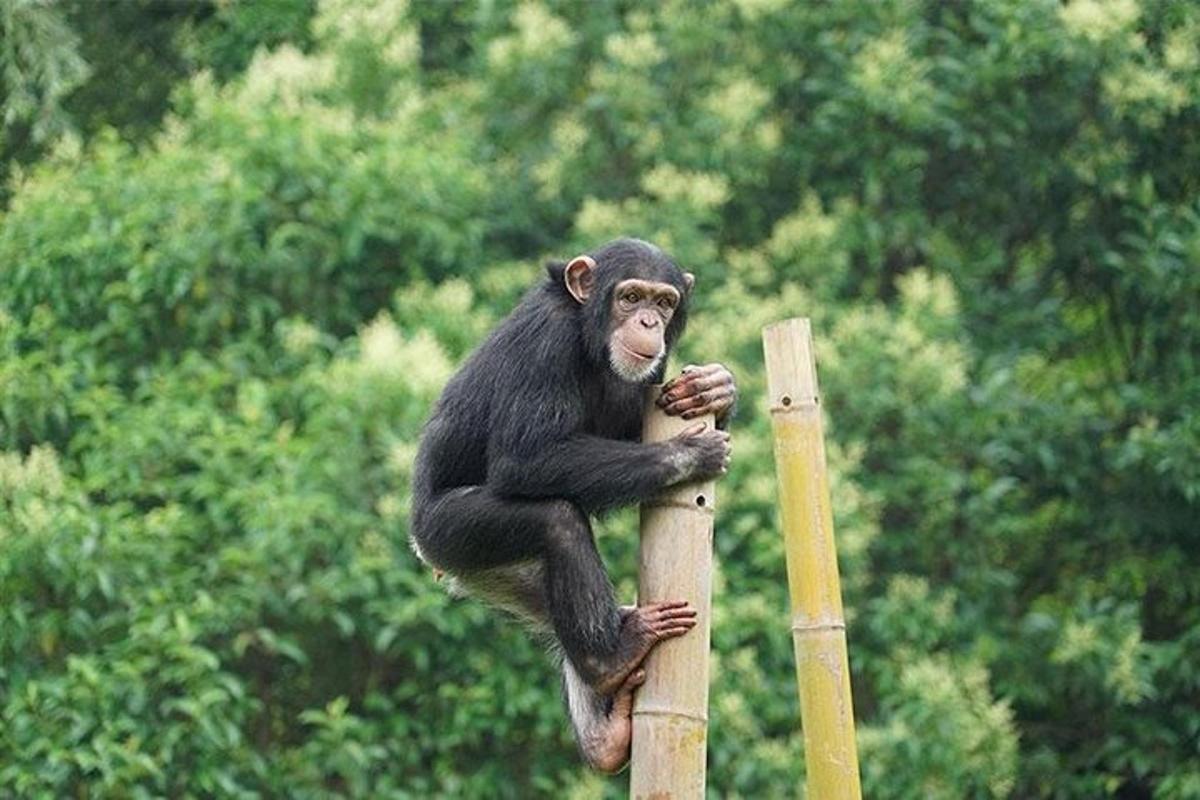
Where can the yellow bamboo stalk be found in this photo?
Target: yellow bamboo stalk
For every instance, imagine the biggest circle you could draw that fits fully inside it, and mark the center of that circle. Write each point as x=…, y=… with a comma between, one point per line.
x=670, y=712
x=818, y=624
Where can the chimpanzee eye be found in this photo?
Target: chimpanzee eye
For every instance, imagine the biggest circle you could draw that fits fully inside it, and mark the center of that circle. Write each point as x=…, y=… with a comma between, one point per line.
x=666, y=302
x=632, y=297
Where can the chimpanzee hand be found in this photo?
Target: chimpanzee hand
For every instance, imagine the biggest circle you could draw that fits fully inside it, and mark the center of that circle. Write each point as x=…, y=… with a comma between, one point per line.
x=704, y=452
x=700, y=390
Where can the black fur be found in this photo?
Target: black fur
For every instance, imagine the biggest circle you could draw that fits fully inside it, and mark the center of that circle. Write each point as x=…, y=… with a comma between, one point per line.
x=535, y=434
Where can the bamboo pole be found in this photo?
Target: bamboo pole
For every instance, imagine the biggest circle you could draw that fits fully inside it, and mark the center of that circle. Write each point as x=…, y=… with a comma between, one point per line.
x=670, y=712
x=818, y=624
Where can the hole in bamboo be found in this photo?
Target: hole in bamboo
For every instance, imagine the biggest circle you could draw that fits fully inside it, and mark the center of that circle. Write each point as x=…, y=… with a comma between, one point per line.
x=700, y=501
x=787, y=401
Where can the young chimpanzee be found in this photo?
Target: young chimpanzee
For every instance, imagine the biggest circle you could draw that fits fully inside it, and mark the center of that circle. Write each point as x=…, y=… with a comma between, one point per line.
x=538, y=431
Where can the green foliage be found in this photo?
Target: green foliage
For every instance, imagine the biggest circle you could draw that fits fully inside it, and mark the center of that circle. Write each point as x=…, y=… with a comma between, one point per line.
x=220, y=333
x=40, y=67
x=945, y=737
x=68, y=70
x=252, y=212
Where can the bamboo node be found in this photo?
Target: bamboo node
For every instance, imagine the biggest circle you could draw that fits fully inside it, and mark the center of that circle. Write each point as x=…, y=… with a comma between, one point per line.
x=794, y=407
x=700, y=506
x=660, y=711
x=827, y=625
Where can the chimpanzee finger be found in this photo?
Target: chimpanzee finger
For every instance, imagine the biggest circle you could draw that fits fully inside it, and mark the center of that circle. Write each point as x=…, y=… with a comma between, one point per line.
x=668, y=624
x=693, y=430
x=711, y=401
x=666, y=604
x=672, y=632
x=670, y=386
x=679, y=405
x=623, y=699
x=675, y=612
x=659, y=626
x=690, y=373
x=699, y=410
x=702, y=383
x=715, y=368
x=717, y=408
x=714, y=380
x=693, y=371
x=666, y=387
x=708, y=378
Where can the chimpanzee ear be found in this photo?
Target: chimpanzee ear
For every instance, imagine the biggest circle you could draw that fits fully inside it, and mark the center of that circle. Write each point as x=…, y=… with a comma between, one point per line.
x=689, y=280
x=579, y=277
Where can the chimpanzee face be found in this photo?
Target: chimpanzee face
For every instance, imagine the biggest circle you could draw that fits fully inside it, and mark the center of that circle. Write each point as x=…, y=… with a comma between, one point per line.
x=634, y=305
x=640, y=313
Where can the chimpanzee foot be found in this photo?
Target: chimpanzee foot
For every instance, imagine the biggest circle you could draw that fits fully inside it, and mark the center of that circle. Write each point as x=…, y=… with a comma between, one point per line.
x=641, y=629
x=607, y=748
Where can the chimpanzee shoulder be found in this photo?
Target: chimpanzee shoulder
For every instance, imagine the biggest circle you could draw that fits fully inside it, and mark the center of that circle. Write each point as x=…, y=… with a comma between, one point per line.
x=533, y=358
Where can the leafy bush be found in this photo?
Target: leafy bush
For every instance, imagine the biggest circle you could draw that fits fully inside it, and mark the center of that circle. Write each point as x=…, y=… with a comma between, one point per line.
x=217, y=347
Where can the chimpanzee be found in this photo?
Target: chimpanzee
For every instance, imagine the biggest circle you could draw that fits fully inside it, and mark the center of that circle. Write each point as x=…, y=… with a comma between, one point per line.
x=538, y=431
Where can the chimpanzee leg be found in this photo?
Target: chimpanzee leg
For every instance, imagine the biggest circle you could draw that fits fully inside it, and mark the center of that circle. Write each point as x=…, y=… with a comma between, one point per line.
x=518, y=588
x=473, y=534
x=603, y=725
x=579, y=593
x=603, y=645
x=470, y=532
x=469, y=529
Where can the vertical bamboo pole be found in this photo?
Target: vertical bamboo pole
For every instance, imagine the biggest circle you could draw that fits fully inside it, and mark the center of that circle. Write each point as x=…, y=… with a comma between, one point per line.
x=818, y=624
x=670, y=712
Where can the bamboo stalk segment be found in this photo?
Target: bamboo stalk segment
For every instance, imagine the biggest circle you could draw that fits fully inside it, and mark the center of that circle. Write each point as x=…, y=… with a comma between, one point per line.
x=670, y=712
x=818, y=623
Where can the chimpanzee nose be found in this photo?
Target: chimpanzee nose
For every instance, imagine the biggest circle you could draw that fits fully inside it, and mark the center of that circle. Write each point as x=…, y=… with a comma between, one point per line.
x=648, y=320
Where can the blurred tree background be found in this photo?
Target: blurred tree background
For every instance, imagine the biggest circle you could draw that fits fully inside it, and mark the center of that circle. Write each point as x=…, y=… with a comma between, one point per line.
x=243, y=244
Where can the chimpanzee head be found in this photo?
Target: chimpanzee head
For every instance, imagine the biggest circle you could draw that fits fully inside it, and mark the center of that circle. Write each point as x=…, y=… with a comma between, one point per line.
x=633, y=305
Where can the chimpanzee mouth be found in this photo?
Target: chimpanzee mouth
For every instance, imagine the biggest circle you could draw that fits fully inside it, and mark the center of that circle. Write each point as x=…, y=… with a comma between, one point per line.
x=636, y=354
x=631, y=365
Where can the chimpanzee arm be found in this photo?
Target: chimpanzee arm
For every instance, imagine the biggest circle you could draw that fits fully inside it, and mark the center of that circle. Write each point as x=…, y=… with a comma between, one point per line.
x=594, y=472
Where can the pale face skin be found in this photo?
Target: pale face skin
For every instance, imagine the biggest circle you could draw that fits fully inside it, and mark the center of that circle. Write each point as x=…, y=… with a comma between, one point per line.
x=641, y=312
